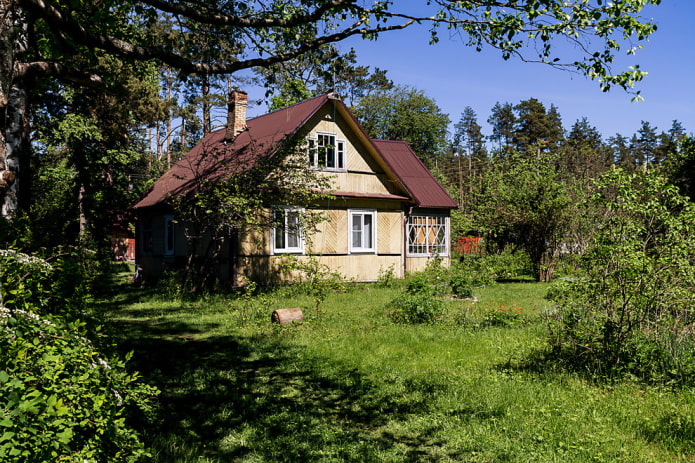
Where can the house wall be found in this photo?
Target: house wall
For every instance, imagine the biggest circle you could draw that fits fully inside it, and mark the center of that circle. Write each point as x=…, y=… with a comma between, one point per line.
x=329, y=245
x=417, y=264
x=363, y=173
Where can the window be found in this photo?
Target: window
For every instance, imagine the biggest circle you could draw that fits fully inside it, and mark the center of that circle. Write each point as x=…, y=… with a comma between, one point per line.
x=286, y=234
x=169, y=242
x=427, y=235
x=325, y=152
x=362, y=231
x=145, y=240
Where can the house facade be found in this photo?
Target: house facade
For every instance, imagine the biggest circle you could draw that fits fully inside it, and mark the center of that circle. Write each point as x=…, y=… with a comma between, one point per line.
x=385, y=211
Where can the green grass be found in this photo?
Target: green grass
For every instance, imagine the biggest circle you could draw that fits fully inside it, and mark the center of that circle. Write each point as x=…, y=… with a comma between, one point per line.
x=349, y=385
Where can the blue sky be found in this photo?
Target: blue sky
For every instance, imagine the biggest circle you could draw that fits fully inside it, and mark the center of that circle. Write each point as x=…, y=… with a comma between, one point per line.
x=456, y=76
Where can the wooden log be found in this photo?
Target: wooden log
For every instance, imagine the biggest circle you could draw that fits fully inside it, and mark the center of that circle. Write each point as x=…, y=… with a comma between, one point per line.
x=286, y=316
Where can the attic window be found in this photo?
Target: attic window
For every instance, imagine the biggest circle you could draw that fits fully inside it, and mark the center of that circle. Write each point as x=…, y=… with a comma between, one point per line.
x=326, y=152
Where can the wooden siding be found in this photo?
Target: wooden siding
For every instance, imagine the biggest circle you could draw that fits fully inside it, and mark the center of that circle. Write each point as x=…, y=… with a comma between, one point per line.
x=327, y=238
x=417, y=264
x=362, y=174
x=255, y=242
x=351, y=267
x=330, y=246
x=389, y=232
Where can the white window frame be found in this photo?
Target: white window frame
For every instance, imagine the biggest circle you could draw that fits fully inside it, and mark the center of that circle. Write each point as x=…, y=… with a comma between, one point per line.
x=299, y=249
x=169, y=235
x=326, y=142
x=427, y=235
x=363, y=247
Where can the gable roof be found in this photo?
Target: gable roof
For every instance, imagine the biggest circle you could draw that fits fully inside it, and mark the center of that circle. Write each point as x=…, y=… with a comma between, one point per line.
x=214, y=156
x=414, y=176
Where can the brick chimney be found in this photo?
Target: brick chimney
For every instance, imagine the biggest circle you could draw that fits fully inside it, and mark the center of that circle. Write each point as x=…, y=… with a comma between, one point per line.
x=236, y=113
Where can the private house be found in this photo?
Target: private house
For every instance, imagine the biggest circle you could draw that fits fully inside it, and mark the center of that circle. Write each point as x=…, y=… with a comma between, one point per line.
x=386, y=211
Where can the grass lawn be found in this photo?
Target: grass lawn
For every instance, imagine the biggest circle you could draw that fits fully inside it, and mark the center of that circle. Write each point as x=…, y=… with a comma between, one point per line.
x=350, y=385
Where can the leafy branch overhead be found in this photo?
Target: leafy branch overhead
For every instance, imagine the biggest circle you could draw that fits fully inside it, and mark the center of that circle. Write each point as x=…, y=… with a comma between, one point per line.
x=266, y=33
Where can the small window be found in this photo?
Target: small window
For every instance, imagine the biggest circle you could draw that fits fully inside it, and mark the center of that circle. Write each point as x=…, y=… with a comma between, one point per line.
x=286, y=234
x=145, y=241
x=326, y=152
x=169, y=235
x=427, y=235
x=362, y=231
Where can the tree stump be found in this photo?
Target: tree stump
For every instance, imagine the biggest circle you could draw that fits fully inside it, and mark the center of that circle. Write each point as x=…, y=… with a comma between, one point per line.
x=286, y=316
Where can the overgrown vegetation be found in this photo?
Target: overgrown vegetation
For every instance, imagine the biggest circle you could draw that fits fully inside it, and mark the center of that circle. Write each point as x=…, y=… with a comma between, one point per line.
x=632, y=313
x=474, y=383
x=64, y=396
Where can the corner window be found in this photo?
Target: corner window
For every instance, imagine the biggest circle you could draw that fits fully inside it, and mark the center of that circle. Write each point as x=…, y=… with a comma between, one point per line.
x=362, y=228
x=169, y=235
x=326, y=152
x=427, y=235
x=286, y=234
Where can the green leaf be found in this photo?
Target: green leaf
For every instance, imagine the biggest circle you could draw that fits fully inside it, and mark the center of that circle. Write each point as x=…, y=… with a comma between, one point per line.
x=65, y=436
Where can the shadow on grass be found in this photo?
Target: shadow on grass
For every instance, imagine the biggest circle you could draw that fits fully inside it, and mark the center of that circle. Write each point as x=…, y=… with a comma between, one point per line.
x=257, y=398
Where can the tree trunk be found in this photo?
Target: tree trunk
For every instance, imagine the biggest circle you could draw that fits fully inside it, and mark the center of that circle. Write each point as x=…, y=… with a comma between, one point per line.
x=546, y=268
x=168, y=135
x=14, y=134
x=15, y=153
x=207, y=119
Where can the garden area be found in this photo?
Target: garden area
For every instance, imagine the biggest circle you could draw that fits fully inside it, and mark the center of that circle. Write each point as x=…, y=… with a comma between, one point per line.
x=480, y=361
x=371, y=374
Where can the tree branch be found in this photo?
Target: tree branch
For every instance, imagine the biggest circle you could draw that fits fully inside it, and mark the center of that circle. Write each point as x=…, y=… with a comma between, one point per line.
x=217, y=18
x=125, y=49
x=47, y=68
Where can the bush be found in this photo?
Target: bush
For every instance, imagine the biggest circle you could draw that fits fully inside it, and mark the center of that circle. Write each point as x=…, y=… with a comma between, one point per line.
x=505, y=265
x=461, y=287
x=632, y=313
x=62, y=401
x=387, y=277
x=419, y=284
x=62, y=398
x=415, y=309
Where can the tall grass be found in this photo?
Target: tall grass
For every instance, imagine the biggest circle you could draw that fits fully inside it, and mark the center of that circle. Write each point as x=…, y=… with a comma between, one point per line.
x=347, y=384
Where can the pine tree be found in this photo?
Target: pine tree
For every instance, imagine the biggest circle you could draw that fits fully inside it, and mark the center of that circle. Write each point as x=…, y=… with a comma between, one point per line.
x=503, y=120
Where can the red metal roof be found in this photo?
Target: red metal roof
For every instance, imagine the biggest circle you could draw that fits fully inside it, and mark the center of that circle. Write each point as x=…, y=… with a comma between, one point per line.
x=215, y=157
x=415, y=177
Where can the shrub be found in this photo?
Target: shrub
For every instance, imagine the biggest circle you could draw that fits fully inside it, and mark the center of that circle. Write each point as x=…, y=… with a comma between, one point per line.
x=506, y=265
x=317, y=280
x=387, y=277
x=461, y=287
x=632, y=314
x=415, y=309
x=62, y=399
x=419, y=284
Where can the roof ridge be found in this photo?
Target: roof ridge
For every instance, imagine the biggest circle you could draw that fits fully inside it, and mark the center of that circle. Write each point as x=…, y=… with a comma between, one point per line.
x=290, y=106
x=381, y=140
